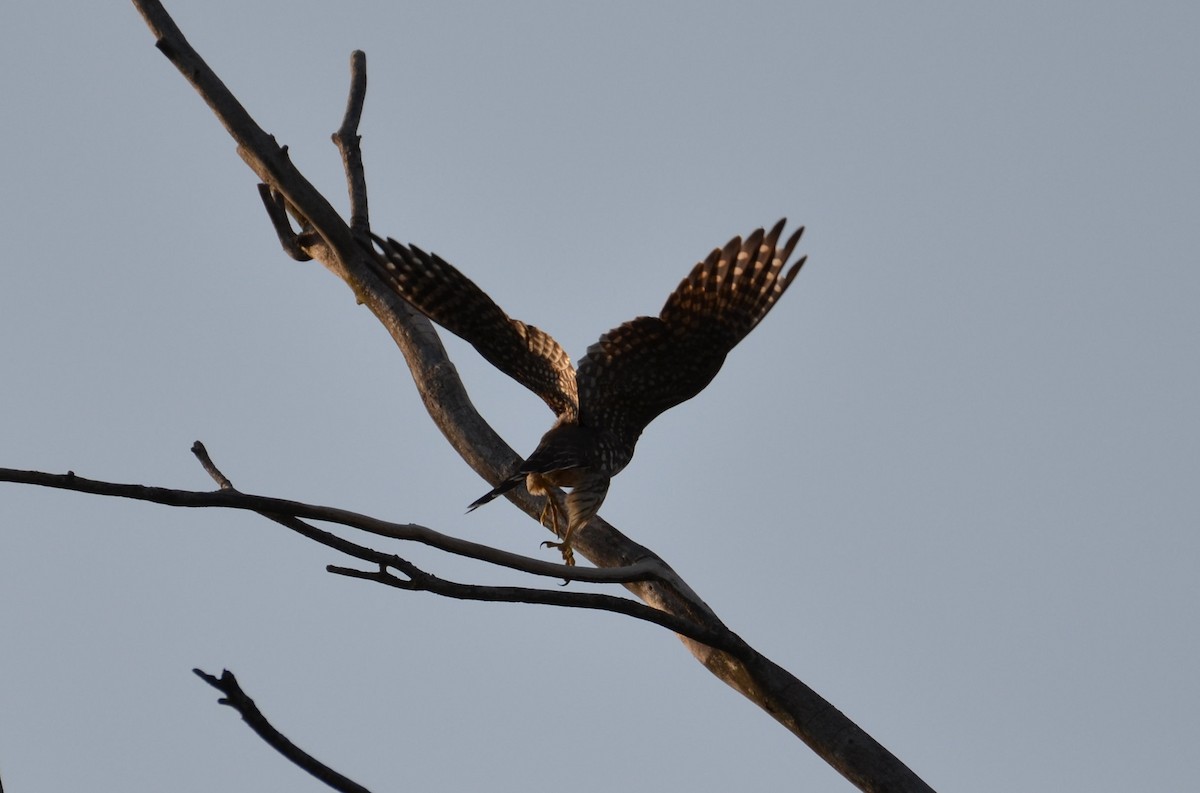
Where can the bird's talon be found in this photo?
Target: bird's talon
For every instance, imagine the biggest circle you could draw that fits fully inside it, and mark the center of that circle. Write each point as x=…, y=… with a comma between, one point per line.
x=568, y=553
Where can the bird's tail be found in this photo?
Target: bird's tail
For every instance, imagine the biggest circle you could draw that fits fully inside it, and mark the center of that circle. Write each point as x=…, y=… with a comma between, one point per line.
x=498, y=490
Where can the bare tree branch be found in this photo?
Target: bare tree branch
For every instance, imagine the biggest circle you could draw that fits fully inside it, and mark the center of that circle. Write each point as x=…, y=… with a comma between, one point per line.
x=286, y=513
x=237, y=699
x=230, y=498
x=277, y=211
x=420, y=581
x=347, y=140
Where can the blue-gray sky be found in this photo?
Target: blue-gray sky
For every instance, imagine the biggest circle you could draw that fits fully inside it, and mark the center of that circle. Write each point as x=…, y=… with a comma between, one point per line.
x=951, y=482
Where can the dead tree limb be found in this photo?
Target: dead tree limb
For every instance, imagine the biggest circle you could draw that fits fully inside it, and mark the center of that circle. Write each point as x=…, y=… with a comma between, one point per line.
x=237, y=699
x=290, y=513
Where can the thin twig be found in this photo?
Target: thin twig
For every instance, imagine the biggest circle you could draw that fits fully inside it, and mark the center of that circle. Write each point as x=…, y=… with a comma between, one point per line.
x=237, y=699
x=277, y=211
x=202, y=455
x=420, y=581
x=348, y=142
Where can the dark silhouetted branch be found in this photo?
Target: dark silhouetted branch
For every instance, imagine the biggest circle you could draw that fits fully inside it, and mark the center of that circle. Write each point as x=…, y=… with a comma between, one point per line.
x=237, y=699
x=230, y=498
x=289, y=514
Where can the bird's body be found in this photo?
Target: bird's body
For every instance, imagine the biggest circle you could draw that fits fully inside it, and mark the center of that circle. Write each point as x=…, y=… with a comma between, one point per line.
x=627, y=378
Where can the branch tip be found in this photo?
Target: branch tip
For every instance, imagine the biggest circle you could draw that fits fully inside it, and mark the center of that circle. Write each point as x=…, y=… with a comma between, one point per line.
x=202, y=455
x=240, y=701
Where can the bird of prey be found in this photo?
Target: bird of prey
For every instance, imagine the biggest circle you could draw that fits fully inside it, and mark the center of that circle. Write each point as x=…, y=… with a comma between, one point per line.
x=632, y=374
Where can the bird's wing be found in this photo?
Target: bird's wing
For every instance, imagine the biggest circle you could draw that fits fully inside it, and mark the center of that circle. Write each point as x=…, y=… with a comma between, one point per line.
x=645, y=366
x=439, y=291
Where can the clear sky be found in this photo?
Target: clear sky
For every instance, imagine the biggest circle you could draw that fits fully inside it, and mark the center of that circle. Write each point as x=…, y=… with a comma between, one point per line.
x=950, y=483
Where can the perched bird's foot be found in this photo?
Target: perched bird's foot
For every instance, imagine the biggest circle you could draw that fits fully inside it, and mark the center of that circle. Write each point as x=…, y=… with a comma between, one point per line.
x=568, y=553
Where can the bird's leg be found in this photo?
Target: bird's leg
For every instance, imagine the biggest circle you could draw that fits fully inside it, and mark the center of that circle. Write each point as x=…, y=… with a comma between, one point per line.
x=551, y=509
x=538, y=485
x=583, y=502
x=564, y=546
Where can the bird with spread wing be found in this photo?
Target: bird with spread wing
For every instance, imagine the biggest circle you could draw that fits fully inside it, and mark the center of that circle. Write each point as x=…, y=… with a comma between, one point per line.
x=632, y=374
